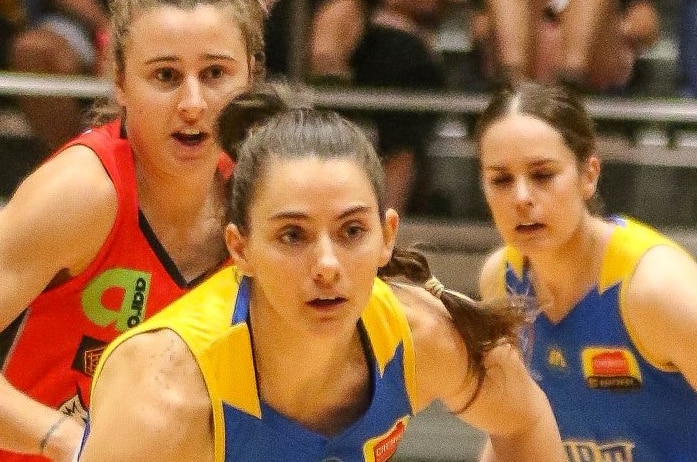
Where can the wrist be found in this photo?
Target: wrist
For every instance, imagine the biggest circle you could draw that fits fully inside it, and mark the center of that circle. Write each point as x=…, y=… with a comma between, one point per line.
x=61, y=439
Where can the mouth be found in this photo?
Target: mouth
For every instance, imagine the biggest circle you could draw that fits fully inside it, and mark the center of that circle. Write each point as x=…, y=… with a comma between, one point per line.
x=324, y=303
x=529, y=227
x=191, y=137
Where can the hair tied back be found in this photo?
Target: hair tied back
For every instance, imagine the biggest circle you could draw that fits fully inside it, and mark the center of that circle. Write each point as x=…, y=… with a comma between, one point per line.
x=247, y=110
x=434, y=286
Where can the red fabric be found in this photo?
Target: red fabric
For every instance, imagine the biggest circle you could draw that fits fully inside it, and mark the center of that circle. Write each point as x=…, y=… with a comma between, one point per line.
x=66, y=326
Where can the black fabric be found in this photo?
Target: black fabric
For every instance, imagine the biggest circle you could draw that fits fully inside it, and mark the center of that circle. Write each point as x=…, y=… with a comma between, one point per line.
x=390, y=58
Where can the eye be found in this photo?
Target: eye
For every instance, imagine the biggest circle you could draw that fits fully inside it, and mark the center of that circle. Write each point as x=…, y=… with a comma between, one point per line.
x=354, y=231
x=542, y=176
x=291, y=235
x=501, y=180
x=167, y=75
x=213, y=73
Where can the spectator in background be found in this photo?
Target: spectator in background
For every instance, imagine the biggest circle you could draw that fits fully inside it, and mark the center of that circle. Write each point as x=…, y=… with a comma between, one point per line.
x=397, y=50
x=373, y=43
x=687, y=47
x=11, y=17
x=340, y=25
x=66, y=37
x=591, y=45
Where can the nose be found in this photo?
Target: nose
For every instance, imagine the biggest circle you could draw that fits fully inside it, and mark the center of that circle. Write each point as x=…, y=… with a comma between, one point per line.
x=192, y=102
x=523, y=192
x=326, y=266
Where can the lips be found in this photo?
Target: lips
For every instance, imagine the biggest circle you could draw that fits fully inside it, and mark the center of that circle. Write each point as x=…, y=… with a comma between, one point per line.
x=324, y=303
x=191, y=138
x=529, y=227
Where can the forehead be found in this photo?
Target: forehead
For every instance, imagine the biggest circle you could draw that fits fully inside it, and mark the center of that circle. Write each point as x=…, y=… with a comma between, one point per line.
x=172, y=30
x=311, y=183
x=520, y=137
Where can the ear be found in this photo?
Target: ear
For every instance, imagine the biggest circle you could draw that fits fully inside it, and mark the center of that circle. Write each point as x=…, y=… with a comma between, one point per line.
x=389, y=235
x=236, y=245
x=590, y=177
x=119, y=92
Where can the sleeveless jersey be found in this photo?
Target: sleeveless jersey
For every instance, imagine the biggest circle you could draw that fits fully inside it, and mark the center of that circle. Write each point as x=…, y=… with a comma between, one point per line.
x=52, y=349
x=247, y=429
x=610, y=401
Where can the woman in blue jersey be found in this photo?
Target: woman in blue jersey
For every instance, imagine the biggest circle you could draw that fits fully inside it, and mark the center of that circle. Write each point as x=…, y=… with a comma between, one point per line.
x=613, y=347
x=299, y=352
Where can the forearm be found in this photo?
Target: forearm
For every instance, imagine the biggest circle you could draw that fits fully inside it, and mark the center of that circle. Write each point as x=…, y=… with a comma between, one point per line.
x=29, y=427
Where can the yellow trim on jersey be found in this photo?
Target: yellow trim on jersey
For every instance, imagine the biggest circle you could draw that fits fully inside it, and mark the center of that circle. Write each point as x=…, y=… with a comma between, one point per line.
x=516, y=260
x=215, y=297
x=628, y=244
x=203, y=319
x=385, y=338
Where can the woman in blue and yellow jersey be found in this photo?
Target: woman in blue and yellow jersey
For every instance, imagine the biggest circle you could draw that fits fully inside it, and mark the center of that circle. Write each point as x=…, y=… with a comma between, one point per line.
x=299, y=353
x=613, y=346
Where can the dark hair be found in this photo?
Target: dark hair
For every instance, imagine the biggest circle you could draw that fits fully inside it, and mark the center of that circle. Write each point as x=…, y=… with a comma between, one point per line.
x=558, y=106
x=270, y=122
x=261, y=125
x=249, y=16
x=482, y=325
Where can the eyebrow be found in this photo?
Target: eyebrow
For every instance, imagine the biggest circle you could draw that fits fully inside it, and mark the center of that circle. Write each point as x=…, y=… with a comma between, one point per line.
x=300, y=215
x=537, y=163
x=207, y=57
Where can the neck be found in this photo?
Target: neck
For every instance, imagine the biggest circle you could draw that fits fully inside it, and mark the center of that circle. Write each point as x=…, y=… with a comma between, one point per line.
x=563, y=276
x=180, y=197
x=320, y=381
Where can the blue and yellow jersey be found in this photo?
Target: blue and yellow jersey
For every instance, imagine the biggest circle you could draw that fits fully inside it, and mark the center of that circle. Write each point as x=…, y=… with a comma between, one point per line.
x=213, y=321
x=612, y=403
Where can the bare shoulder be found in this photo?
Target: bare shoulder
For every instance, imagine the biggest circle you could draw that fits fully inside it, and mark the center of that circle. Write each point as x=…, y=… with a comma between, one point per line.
x=490, y=277
x=58, y=219
x=660, y=308
x=152, y=395
x=441, y=355
x=69, y=198
x=159, y=361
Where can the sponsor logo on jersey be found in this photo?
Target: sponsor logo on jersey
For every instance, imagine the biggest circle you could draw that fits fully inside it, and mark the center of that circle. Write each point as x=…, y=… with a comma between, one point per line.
x=381, y=448
x=590, y=451
x=610, y=368
x=88, y=354
x=117, y=296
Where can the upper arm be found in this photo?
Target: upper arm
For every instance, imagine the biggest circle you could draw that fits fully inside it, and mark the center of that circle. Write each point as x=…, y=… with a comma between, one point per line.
x=508, y=405
x=57, y=219
x=491, y=275
x=660, y=310
x=150, y=403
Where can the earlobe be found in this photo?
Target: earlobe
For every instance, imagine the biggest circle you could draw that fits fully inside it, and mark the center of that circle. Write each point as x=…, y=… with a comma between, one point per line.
x=235, y=242
x=591, y=177
x=389, y=234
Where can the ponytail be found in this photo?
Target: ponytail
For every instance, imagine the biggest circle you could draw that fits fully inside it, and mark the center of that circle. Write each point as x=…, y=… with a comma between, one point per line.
x=481, y=325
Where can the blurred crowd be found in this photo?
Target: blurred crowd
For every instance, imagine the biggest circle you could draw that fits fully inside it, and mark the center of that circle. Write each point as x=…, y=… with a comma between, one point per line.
x=595, y=46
